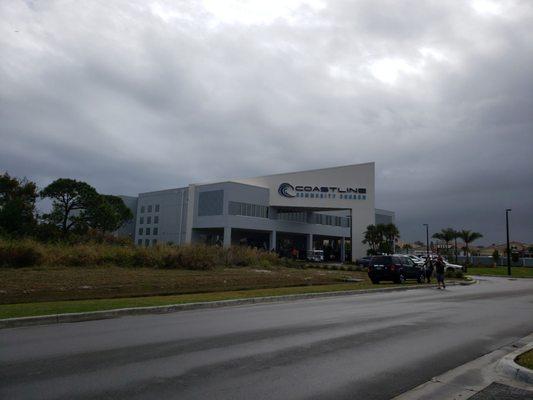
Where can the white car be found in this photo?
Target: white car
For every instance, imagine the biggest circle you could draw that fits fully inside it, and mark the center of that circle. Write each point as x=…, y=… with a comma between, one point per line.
x=315, y=255
x=417, y=260
x=453, y=267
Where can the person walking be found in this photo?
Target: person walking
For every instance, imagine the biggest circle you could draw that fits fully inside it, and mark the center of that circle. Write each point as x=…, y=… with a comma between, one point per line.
x=428, y=269
x=439, y=269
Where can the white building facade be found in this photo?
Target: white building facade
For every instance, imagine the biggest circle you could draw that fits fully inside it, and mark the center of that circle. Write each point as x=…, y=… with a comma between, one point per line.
x=325, y=209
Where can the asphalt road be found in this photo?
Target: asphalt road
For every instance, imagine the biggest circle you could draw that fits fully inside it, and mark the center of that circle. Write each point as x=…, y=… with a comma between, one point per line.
x=371, y=346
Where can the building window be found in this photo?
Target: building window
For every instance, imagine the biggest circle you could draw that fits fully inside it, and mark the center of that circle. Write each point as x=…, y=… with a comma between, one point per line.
x=154, y=242
x=248, y=210
x=150, y=208
x=149, y=220
x=156, y=230
x=156, y=219
x=141, y=220
x=142, y=209
x=147, y=231
x=140, y=231
x=147, y=242
x=140, y=242
x=157, y=208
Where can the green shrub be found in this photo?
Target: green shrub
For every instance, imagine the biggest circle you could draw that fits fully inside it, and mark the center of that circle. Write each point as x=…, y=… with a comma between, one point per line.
x=451, y=273
x=85, y=254
x=14, y=254
x=122, y=256
x=265, y=263
x=80, y=256
x=145, y=257
x=199, y=257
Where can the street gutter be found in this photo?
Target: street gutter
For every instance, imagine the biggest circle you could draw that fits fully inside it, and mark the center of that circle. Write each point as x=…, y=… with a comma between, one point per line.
x=120, y=312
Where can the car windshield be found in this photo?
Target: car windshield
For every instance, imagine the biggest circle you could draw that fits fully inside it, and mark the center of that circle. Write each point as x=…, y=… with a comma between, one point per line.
x=382, y=260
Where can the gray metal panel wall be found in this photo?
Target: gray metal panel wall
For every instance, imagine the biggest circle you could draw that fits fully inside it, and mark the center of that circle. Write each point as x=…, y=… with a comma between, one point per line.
x=211, y=202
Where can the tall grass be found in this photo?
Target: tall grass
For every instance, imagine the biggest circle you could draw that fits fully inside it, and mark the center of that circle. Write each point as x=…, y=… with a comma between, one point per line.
x=28, y=253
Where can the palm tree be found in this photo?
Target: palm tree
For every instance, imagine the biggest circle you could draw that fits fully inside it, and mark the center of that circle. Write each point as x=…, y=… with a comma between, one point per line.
x=391, y=233
x=373, y=238
x=468, y=237
x=456, y=235
x=446, y=235
x=407, y=247
x=438, y=236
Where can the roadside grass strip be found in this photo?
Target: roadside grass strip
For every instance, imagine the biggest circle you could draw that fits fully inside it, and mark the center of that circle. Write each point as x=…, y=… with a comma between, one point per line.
x=525, y=359
x=78, y=306
x=516, y=272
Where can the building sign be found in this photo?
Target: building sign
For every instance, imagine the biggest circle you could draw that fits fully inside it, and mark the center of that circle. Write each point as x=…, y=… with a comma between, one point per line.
x=322, y=192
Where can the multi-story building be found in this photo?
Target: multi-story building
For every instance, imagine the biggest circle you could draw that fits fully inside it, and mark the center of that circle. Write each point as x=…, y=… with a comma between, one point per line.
x=324, y=208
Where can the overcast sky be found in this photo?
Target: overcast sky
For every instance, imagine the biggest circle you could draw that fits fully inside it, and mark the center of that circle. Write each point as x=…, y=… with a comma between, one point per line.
x=137, y=96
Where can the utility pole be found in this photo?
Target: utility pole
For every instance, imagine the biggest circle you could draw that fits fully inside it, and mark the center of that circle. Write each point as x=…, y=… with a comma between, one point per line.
x=427, y=239
x=508, y=244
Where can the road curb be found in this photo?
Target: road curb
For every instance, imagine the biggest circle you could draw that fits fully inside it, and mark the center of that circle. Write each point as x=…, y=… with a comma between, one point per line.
x=504, y=276
x=120, y=312
x=466, y=380
x=508, y=367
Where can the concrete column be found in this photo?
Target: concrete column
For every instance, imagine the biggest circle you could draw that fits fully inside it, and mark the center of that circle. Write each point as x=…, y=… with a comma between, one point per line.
x=227, y=237
x=343, y=249
x=310, y=242
x=273, y=241
x=190, y=213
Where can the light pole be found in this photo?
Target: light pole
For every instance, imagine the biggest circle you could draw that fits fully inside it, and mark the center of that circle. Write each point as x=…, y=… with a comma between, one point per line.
x=427, y=239
x=508, y=245
x=455, y=245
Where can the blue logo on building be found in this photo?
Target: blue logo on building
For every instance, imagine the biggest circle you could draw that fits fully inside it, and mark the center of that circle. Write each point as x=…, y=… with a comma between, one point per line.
x=284, y=189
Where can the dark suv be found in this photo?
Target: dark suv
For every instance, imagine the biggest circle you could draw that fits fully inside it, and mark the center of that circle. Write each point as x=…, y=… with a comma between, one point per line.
x=394, y=268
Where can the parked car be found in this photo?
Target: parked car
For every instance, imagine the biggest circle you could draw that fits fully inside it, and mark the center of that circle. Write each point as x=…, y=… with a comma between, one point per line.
x=417, y=260
x=363, y=262
x=453, y=267
x=396, y=268
x=315, y=255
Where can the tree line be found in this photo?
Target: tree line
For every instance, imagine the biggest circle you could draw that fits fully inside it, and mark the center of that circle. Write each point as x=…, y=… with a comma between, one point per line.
x=77, y=208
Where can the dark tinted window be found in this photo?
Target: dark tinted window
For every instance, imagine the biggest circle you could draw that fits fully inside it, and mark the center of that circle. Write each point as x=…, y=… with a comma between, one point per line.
x=381, y=260
x=397, y=260
x=407, y=261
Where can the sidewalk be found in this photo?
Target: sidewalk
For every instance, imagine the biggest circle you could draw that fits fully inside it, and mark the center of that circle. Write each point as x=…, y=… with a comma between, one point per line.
x=491, y=376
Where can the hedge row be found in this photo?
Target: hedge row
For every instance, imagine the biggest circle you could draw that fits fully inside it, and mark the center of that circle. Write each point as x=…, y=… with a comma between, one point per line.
x=28, y=253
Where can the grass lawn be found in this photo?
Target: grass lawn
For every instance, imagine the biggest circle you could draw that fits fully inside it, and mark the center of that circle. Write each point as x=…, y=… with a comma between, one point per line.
x=517, y=272
x=27, y=285
x=46, y=290
x=57, y=307
x=525, y=359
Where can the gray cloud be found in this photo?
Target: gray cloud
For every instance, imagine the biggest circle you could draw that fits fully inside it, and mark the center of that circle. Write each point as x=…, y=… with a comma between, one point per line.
x=135, y=96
